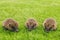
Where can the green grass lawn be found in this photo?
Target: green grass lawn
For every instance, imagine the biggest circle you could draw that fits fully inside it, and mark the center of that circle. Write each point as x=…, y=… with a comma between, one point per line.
x=21, y=10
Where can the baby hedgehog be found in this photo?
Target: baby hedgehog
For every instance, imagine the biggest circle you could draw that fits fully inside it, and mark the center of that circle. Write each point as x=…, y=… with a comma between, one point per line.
x=49, y=24
x=10, y=24
x=31, y=24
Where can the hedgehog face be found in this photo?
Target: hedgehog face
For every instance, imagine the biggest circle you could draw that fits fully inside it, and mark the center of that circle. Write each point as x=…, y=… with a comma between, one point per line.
x=48, y=27
x=30, y=27
x=13, y=27
x=31, y=24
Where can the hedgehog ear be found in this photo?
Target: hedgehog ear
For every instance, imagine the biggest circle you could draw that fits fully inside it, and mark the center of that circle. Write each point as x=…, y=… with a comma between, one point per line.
x=45, y=24
x=27, y=25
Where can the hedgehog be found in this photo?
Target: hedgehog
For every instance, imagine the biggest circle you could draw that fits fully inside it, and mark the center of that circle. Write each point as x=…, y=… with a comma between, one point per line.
x=31, y=24
x=10, y=24
x=50, y=24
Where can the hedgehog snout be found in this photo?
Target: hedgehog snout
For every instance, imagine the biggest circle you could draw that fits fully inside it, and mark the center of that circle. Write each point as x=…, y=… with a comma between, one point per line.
x=16, y=30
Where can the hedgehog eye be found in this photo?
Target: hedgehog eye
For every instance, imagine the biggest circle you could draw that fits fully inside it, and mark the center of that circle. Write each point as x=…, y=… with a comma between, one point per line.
x=13, y=27
x=10, y=25
x=52, y=25
x=48, y=25
x=35, y=24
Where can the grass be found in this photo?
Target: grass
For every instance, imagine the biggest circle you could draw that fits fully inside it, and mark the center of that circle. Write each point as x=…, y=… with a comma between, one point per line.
x=21, y=10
